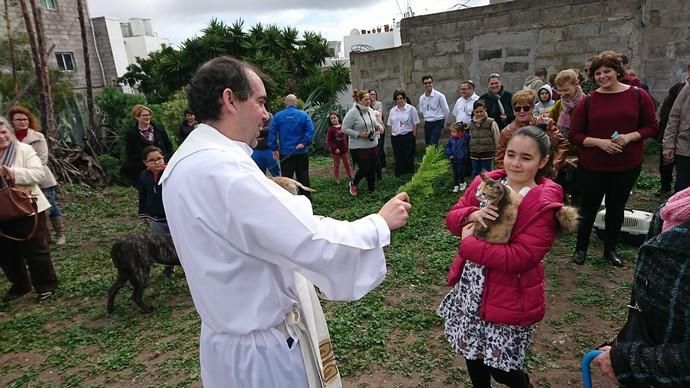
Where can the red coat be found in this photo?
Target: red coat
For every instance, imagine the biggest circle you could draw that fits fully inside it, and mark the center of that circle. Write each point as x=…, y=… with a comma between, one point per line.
x=514, y=285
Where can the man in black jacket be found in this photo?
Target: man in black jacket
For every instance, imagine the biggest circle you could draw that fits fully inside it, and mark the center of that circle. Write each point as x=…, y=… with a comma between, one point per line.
x=498, y=102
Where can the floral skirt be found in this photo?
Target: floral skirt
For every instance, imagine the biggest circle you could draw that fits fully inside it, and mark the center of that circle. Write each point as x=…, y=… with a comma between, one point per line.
x=500, y=346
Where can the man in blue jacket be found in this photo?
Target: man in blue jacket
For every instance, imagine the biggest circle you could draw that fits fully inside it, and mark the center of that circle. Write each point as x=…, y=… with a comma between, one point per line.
x=292, y=130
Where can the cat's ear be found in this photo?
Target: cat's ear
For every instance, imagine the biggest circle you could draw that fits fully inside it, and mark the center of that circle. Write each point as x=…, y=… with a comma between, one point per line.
x=483, y=176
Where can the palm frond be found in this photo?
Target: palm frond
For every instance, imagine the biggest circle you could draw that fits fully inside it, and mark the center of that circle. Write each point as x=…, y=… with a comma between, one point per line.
x=434, y=165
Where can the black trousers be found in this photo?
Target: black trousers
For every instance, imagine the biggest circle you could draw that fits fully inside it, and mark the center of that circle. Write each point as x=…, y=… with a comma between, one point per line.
x=366, y=169
x=480, y=375
x=593, y=185
x=666, y=172
x=296, y=167
x=34, y=253
x=403, y=153
x=682, y=172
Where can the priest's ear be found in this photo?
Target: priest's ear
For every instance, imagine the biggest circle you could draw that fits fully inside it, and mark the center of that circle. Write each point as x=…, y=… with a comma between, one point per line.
x=227, y=100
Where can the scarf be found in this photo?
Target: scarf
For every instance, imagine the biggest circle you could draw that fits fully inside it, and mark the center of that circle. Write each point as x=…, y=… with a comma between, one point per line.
x=7, y=157
x=498, y=100
x=676, y=211
x=568, y=105
x=20, y=135
x=147, y=133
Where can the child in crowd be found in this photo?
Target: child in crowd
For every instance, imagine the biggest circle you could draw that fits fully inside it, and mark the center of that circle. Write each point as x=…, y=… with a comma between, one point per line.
x=545, y=102
x=337, y=144
x=151, y=209
x=457, y=150
x=484, y=136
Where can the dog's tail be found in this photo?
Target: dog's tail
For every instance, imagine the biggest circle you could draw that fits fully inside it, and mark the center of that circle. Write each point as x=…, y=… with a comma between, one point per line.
x=305, y=188
x=567, y=217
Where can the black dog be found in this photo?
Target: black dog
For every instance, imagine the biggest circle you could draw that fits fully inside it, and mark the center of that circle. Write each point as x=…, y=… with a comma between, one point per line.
x=133, y=256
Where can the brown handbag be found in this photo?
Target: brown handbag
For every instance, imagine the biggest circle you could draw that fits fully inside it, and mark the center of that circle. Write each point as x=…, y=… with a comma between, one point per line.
x=16, y=204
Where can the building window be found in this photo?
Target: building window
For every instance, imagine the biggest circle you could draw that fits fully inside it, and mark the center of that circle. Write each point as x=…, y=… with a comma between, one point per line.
x=65, y=61
x=48, y=4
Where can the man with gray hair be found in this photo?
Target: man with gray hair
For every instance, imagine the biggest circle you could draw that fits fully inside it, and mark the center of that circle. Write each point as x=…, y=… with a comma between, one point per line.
x=290, y=134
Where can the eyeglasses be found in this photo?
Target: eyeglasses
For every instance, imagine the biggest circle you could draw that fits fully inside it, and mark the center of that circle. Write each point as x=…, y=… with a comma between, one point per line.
x=20, y=119
x=156, y=160
x=523, y=108
x=427, y=82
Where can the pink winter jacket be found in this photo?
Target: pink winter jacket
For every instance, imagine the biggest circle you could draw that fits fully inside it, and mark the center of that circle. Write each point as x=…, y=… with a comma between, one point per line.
x=514, y=285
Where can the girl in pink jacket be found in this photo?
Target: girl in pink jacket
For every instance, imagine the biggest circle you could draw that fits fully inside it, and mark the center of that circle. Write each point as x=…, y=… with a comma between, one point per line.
x=498, y=289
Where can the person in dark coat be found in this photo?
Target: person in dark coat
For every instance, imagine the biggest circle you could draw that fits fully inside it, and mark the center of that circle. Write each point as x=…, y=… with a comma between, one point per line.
x=143, y=134
x=661, y=290
x=498, y=102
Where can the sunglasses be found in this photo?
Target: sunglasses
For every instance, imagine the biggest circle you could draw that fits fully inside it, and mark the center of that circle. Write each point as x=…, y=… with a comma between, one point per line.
x=523, y=108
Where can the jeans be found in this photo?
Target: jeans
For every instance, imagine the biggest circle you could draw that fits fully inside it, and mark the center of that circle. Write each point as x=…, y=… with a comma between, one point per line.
x=264, y=159
x=458, y=171
x=479, y=165
x=432, y=131
x=51, y=195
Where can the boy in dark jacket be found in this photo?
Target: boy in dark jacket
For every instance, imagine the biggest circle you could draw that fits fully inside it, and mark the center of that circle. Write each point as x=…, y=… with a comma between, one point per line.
x=457, y=150
x=151, y=209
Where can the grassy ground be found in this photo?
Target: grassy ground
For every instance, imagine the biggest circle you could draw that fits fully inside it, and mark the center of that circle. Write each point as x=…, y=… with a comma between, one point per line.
x=390, y=338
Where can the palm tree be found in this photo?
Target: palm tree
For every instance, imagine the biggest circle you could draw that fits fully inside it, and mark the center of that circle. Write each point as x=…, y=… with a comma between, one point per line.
x=87, y=67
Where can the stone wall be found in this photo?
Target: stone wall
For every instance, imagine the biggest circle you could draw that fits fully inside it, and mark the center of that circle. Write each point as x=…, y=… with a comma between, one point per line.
x=516, y=37
x=61, y=28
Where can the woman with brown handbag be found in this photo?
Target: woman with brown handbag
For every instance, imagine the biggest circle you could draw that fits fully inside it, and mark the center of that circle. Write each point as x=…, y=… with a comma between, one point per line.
x=24, y=240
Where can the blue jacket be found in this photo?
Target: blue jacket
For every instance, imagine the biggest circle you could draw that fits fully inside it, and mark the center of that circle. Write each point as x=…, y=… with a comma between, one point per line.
x=458, y=147
x=290, y=127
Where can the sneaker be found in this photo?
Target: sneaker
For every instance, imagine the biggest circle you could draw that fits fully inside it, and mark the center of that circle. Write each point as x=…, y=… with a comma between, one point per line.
x=463, y=186
x=353, y=189
x=456, y=188
x=43, y=296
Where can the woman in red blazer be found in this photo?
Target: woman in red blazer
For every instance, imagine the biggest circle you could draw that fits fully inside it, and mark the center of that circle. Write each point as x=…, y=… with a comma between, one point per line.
x=498, y=289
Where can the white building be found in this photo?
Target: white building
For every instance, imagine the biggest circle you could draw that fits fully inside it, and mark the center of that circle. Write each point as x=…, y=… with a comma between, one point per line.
x=121, y=42
x=374, y=39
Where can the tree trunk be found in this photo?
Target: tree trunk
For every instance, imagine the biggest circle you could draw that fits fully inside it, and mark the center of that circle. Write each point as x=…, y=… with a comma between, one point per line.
x=87, y=68
x=49, y=114
x=34, y=55
x=10, y=43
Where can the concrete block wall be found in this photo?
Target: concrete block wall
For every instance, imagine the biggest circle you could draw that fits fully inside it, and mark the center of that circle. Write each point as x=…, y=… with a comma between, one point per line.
x=61, y=27
x=515, y=38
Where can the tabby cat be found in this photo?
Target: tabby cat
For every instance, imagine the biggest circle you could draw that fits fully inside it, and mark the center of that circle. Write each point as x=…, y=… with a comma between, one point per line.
x=506, y=201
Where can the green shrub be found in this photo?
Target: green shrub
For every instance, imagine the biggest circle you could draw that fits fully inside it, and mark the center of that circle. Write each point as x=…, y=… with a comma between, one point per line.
x=111, y=167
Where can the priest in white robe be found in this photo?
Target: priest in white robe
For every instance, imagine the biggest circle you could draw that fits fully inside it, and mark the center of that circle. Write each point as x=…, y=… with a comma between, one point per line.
x=240, y=238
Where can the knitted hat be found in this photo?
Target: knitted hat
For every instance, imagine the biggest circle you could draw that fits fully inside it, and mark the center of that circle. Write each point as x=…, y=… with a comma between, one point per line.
x=677, y=210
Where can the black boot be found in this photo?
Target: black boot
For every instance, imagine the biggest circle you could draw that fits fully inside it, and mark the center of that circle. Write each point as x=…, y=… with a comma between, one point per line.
x=611, y=255
x=580, y=256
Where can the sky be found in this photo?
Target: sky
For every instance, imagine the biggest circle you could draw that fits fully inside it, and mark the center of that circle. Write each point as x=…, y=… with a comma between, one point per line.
x=178, y=20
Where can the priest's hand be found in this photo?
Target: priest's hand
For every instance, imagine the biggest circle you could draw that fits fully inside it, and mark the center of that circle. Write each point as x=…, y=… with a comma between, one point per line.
x=396, y=211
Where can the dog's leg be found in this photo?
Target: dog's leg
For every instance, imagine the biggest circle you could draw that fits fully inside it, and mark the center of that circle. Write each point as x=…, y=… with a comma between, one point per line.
x=138, y=298
x=115, y=288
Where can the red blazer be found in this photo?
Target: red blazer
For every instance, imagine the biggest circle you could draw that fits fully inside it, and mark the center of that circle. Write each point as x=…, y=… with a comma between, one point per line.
x=514, y=285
